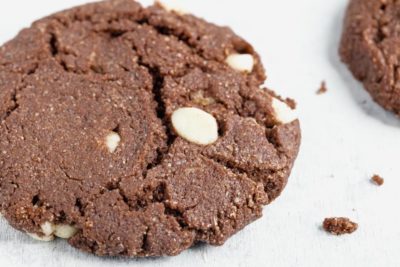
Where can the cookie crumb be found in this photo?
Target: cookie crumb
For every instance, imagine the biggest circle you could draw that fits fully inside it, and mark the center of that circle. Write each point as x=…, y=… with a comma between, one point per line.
x=291, y=103
x=322, y=89
x=339, y=226
x=378, y=180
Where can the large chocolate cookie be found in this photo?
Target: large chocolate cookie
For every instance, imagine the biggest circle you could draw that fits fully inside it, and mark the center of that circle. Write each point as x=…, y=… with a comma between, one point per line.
x=137, y=131
x=371, y=48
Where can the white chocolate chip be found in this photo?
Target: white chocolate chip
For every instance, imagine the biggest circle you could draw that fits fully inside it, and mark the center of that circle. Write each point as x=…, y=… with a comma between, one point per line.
x=112, y=141
x=50, y=230
x=241, y=62
x=65, y=231
x=283, y=113
x=199, y=98
x=195, y=125
x=47, y=228
x=44, y=238
x=172, y=6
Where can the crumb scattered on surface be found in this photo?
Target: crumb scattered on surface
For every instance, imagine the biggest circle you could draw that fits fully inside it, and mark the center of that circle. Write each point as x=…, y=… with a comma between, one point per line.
x=339, y=226
x=322, y=89
x=378, y=180
x=291, y=103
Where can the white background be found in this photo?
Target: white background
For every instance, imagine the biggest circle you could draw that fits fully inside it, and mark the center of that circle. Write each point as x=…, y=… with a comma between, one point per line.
x=346, y=139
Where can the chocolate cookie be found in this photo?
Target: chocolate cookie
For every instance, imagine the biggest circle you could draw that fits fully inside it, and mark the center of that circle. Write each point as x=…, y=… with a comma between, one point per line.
x=138, y=131
x=371, y=48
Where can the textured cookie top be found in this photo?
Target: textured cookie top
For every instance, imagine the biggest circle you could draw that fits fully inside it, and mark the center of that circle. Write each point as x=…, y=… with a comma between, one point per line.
x=137, y=131
x=371, y=48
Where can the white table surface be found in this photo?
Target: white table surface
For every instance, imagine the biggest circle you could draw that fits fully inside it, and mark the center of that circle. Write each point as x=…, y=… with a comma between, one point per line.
x=346, y=139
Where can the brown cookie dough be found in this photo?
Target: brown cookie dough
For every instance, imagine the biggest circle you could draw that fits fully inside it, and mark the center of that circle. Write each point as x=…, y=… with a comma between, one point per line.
x=370, y=46
x=100, y=108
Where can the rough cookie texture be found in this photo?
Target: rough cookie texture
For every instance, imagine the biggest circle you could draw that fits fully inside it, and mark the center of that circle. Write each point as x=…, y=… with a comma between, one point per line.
x=73, y=78
x=370, y=46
